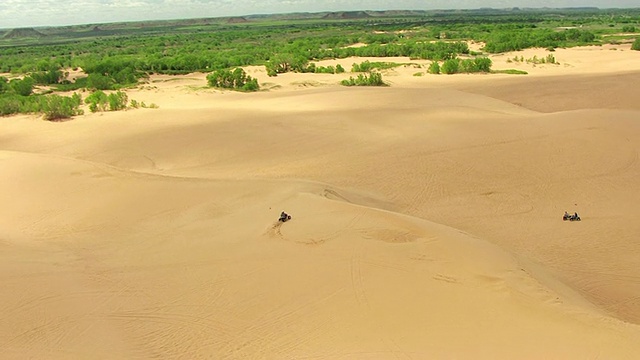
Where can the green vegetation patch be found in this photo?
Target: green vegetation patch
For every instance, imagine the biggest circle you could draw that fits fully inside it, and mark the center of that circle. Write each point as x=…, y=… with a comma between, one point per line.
x=368, y=66
x=372, y=79
x=510, y=71
x=233, y=80
x=118, y=55
x=455, y=66
x=549, y=59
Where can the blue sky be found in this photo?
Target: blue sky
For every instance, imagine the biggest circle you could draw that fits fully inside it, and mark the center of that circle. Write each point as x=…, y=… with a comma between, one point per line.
x=29, y=13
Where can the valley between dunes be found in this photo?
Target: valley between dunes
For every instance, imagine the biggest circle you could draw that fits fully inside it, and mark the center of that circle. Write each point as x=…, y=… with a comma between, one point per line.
x=427, y=219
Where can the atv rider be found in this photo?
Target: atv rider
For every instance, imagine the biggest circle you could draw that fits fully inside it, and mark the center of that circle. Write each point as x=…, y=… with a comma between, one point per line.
x=284, y=216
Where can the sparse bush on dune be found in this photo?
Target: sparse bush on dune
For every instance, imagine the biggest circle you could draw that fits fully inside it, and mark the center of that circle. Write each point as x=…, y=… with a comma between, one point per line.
x=16, y=97
x=373, y=79
x=434, y=68
x=54, y=107
x=57, y=107
x=367, y=66
x=450, y=66
x=118, y=101
x=636, y=45
x=233, y=80
x=100, y=101
x=454, y=66
x=286, y=62
x=510, y=71
x=97, y=101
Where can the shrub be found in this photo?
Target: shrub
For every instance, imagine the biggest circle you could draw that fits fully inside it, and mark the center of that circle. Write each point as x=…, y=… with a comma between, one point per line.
x=22, y=87
x=453, y=66
x=510, y=71
x=434, y=68
x=450, y=66
x=373, y=79
x=10, y=104
x=325, y=70
x=368, y=66
x=99, y=82
x=283, y=63
x=468, y=66
x=4, y=85
x=67, y=85
x=57, y=107
x=97, y=101
x=551, y=59
x=629, y=29
x=236, y=80
x=636, y=45
x=483, y=64
x=117, y=101
x=52, y=76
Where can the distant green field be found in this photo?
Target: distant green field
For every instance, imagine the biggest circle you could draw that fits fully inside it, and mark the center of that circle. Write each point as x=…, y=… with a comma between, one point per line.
x=117, y=55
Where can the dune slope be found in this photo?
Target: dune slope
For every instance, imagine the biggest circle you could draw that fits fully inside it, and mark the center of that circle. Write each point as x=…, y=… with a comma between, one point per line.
x=426, y=224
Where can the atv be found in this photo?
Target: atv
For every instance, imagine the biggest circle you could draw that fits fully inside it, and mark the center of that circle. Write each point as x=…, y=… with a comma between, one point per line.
x=571, y=217
x=284, y=217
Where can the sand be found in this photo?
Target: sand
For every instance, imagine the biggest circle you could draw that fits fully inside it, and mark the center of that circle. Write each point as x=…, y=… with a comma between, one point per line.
x=426, y=219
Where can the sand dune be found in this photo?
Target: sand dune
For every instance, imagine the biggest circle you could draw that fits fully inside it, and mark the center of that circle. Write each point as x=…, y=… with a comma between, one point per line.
x=426, y=222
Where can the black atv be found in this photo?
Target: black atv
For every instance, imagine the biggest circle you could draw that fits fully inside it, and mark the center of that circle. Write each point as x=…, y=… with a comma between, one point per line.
x=284, y=217
x=571, y=217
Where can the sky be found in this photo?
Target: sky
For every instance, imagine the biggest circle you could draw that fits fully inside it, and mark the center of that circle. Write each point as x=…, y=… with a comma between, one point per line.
x=34, y=13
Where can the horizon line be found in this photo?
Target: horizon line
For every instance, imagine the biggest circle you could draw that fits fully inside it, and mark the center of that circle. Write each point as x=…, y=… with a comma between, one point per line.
x=322, y=12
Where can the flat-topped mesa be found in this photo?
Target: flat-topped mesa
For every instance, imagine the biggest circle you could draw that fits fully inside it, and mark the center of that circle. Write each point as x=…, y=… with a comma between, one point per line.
x=23, y=33
x=347, y=15
x=237, y=20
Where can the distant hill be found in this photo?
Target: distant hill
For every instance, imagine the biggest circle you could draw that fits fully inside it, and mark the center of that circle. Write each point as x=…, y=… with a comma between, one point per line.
x=23, y=33
x=237, y=20
x=343, y=15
